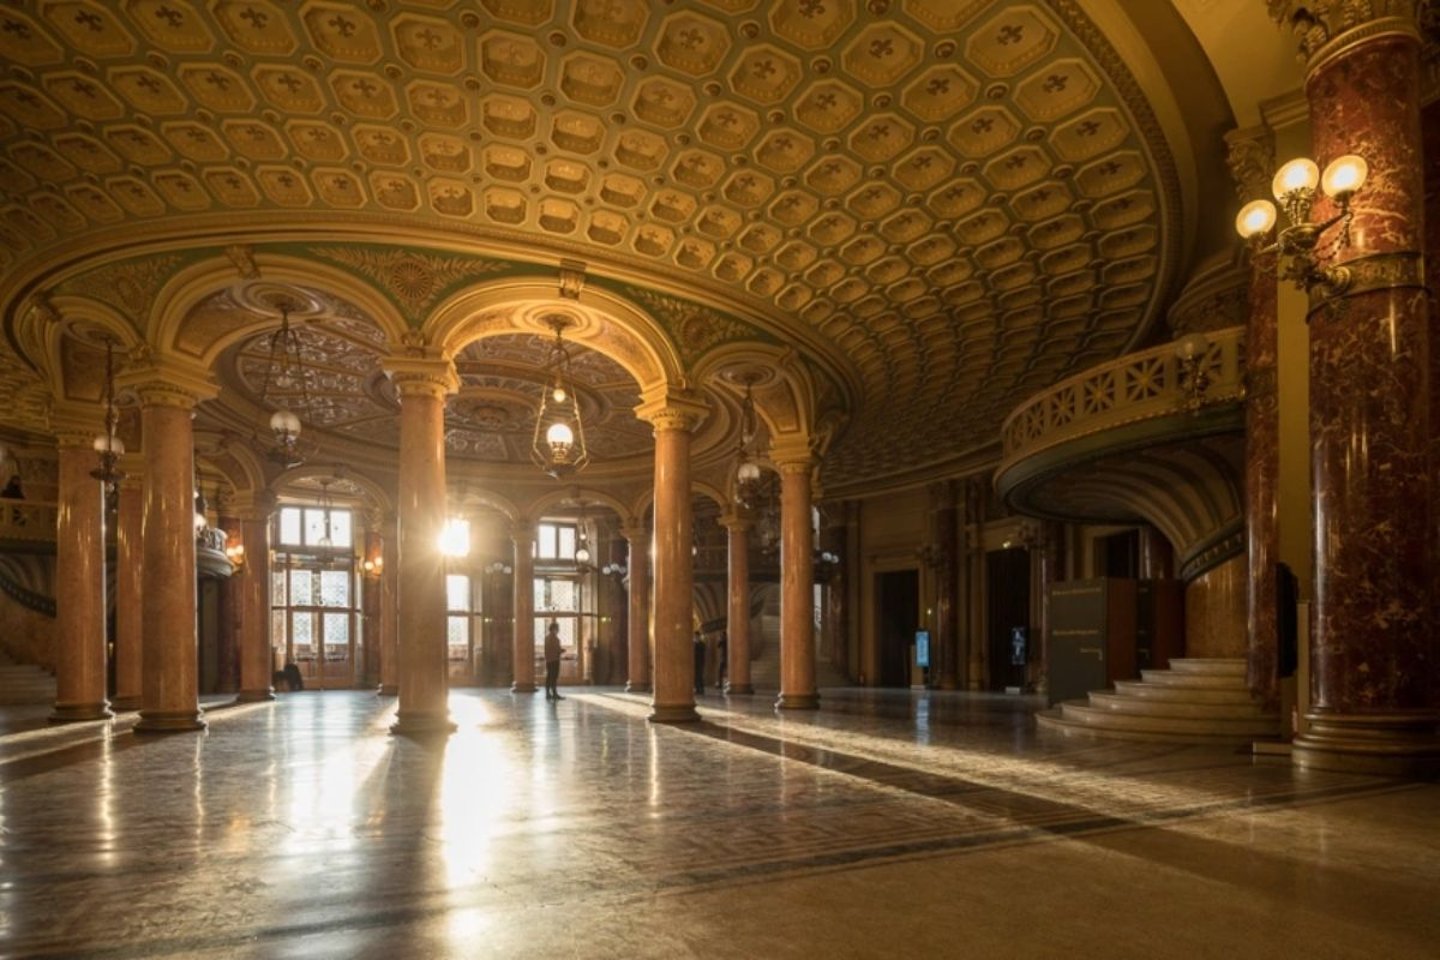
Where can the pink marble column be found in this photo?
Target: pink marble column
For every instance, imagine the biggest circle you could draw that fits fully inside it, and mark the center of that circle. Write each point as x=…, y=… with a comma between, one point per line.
x=169, y=700
x=390, y=609
x=79, y=584
x=945, y=670
x=256, y=660
x=674, y=677
x=423, y=666
x=128, y=580
x=522, y=636
x=737, y=620
x=797, y=579
x=637, y=656
x=1374, y=651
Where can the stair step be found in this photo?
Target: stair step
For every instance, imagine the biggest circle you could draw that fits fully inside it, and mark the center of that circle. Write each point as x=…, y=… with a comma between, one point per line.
x=1228, y=667
x=1051, y=720
x=1079, y=711
x=1156, y=691
x=1155, y=707
x=1204, y=681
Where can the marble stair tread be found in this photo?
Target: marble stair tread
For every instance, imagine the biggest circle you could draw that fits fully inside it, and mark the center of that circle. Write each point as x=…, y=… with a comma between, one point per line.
x=1209, y=666
x=1052, y=720
x=1209, y=681
x=1155, y=691
x=1081, y=712
x=1154, y=707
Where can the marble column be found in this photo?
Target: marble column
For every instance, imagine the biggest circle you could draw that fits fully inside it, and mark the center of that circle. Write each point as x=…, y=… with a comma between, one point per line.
x=1048, y=551
x=974, y=543
x=737, y=621
x=79, y=583
x=797, y=577
x=229, y=610
x=423, y=665
x=1375, y=697
x=1252, y=161
x=257, y=663
x=674, y=675
x=1157, y=556
x=637, y=624
x=169, y=699
x=945, y=670
x=522, y=635
x=390, y=609
x=128, y=580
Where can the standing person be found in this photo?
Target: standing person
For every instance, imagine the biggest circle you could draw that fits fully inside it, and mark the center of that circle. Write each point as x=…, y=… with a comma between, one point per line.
x=722, y=652
x=552, y=661
x=699, y=646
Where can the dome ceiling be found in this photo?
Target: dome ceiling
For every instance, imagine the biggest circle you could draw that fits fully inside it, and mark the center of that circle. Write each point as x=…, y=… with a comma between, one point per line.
x=954, y=202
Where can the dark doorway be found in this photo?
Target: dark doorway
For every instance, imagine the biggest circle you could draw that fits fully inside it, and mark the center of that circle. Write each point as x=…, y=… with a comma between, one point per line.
x=1118, y=555
x=1008, y=573
x=897, y=605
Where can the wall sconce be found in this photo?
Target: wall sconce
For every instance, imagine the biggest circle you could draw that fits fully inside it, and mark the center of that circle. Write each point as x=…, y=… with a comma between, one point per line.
x=1294, y=189
x=373, y=563
x=235, y=550
x=1192, y=351
x=499, y=568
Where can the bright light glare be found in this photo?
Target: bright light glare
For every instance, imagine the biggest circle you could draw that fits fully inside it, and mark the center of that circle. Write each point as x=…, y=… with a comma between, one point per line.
x=1344, y=175
x=559, y=434
x=455, y=538
x=1298, y=174
x=1256, y=218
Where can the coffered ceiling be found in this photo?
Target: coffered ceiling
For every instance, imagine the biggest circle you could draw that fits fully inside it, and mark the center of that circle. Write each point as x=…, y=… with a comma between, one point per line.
x=948, y=203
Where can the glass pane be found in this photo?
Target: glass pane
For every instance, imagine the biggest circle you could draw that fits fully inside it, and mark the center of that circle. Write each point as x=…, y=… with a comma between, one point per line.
x=564, y=595
x=303, y=625
x=290, y=525
x=277, y=629
x=337, y=636
x=335, y=588
x=457, y=592
x=457, y=635
x=314, y=527
x=342, y=528
x=277, y=588
x=546, y=541
x=302, y=588
x=567, y=543
x=542, y=595
x=568, y=626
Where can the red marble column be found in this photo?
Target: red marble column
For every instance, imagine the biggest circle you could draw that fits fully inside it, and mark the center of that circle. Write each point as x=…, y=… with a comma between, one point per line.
x=637, y=625
x=1049, y=553
x=79, y=584
x=128, y=581
x=737, y=619
x=257, y=662
x=423, y=673
x=978, y=656
x=1373, y=645
x=944, y=532
x=522, y=636
x=169, y=700
x=390, y=609
x=674, y=675
x=797, y=579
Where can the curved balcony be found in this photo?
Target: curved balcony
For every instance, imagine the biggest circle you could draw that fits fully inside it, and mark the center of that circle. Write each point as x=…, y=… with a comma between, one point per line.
x=27, y=526
x=1145, y=438
x=210, y=557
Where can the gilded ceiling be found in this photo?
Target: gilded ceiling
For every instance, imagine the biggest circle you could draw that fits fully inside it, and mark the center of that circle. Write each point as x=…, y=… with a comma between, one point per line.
x=953, y=202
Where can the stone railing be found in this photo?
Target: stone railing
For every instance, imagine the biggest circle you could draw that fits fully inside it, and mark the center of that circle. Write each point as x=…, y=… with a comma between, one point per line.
x=28, y=520
x=210, y=557
x=1138, y=386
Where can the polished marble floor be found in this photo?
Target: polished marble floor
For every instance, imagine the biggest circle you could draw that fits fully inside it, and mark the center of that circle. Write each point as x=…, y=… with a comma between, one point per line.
x=886, y=824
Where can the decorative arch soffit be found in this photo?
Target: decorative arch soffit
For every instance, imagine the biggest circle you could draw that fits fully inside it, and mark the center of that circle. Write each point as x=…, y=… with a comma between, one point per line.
x=358, y=483
x=701, y=488
x=593, y=498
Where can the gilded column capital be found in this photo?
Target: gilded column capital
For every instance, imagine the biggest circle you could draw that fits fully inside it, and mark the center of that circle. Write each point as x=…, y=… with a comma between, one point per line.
x=667, y=410
x=1324, y=28
x=792, y=453
x=422, y=376
x=635, y=532
x=737, y=520
x=522, y=531
x=76, y=425
x=1250, y=155
x=162, y=384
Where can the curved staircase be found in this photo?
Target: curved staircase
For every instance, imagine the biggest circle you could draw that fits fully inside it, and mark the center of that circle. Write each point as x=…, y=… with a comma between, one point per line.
x=1195, y=701
x=24, y=683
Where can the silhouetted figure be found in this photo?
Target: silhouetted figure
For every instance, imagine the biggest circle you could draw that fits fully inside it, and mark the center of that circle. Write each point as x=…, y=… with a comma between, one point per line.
x=699, y=662
x=722, y=669
x=552, y=662
x=12, y=489
x=292, y=676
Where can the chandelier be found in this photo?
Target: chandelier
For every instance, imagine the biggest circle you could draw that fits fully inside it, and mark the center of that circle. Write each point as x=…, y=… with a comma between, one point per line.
x=558, y=447
x=747, y=466
x=108, y=444
x=1294, y=188
x=583, y=555
x=285, y=376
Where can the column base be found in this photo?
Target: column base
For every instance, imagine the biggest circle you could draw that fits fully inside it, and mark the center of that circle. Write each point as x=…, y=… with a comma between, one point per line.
x=798, y=701
x=163, y=721
x=423, y=725
x=1388, y=745
x=80, y=712
x=518, y=687
x=255, y=696
x=739, y=688
x=637, y=687
x=673, y=713
x=947, y=683
x=122, y=704
x=388, y=690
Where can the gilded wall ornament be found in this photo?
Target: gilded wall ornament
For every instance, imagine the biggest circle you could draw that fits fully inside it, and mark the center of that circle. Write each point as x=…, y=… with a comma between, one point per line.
x=415, y=280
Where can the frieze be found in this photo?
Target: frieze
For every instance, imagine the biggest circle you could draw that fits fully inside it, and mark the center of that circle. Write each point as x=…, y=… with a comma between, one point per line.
x=130, y=286
x=413, y=280
x=1316, y=23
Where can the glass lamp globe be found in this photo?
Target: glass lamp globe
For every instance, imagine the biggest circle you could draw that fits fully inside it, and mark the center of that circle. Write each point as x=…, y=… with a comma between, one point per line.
x=1255, y=219
x=109, y=443
x=1191, y=346
x=749, y=471
x=1298, y=174
x=560, y=437
x=285, y=424
x=582, y=554
x=1344, y=175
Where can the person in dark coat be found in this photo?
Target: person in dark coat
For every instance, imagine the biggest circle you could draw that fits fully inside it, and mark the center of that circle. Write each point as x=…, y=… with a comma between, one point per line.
x=722, y=653
x=699, y=645
x=552, y=662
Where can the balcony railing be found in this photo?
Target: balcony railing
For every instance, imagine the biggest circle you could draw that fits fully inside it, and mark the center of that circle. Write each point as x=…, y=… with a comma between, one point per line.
x=1138, y=386
x=28, y=520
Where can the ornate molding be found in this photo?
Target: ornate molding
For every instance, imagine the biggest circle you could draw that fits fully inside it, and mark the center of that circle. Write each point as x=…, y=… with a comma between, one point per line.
x=672, y=410
x=242, y=255
x=420, y=376
x=413, y=280
x=572, y=279
x=1323, y=28
x=164, y=385
x=1250, y=155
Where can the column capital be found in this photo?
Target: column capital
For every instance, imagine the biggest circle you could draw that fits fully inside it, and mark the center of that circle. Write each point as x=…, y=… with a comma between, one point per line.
x=737, y=520
x=1250, y=155
x=1324, y=28
x=668, y=409
x=160, y=383
x=421, y=376
x=635, y=530
x=792, y=453
x=522, y=531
